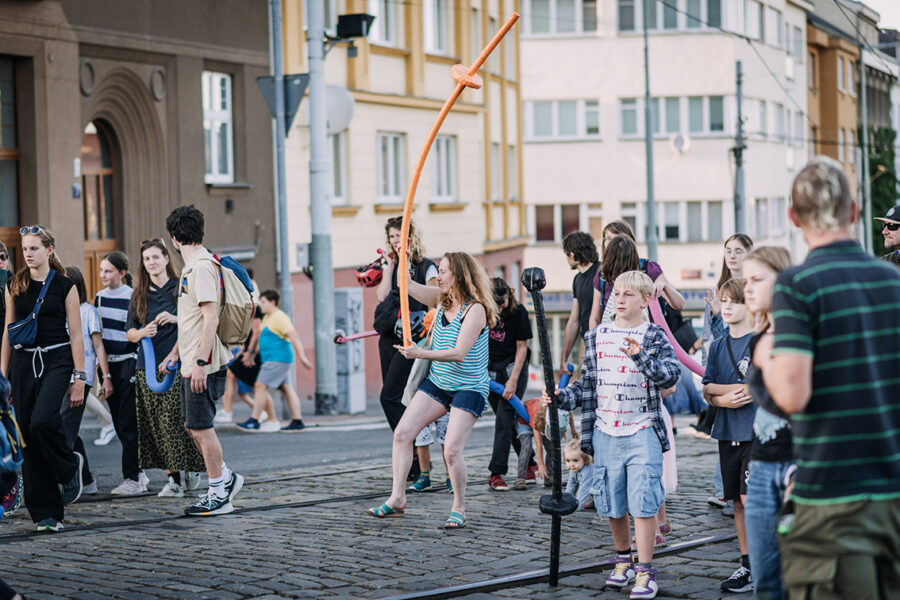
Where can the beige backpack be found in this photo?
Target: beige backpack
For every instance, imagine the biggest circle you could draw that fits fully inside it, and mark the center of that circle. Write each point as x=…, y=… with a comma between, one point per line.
x=236, y=309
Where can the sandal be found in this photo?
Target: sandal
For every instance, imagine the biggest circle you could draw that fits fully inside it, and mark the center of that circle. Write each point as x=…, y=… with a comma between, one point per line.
x=454, y=521
x=384, y=511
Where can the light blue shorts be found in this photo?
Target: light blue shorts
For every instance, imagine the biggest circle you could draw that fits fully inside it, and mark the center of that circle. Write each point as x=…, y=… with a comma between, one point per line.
x=628, y=474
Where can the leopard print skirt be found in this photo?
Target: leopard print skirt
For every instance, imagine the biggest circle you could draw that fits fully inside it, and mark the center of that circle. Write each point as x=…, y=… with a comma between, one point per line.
x=163, y=442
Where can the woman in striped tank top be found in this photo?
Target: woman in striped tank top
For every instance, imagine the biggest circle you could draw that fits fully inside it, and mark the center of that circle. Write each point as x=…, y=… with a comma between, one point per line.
x=458, y=381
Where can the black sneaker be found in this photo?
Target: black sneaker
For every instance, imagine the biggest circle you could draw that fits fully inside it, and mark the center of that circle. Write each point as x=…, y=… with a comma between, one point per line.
x=740, y=581
x=71, y=491
x=250, y=424
x=210, y=505
x=234, y=485
x=294, y=426
x=50, y=524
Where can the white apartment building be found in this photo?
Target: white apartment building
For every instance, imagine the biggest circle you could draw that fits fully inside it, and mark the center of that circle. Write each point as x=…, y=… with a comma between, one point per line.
x=584, y=153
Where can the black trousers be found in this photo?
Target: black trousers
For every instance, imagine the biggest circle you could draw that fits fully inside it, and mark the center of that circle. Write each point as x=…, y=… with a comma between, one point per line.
x=39, y=402
x=395, y=371
x=6, y=592
x=71, y=418
x=505, y=422
x=123, y=409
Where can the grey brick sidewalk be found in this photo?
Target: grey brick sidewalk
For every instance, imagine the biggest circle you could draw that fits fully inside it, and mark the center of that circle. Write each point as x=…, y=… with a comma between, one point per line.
x=335, y=550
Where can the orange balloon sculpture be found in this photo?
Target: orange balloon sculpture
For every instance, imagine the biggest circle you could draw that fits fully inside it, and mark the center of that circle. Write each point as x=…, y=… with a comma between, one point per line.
x=465, y=77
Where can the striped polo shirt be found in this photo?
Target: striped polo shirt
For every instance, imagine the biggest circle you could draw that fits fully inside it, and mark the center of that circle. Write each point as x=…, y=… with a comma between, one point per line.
x=469, y=374
x=113, y=307
x=842, y=308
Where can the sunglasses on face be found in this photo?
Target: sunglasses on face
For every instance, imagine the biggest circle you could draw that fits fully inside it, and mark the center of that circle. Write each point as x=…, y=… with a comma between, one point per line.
x=892, y=226
x=3, y=256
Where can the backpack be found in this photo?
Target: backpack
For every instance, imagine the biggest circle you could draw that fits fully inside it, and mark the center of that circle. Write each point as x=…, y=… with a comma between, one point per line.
x=11, y=443
x=236, y=311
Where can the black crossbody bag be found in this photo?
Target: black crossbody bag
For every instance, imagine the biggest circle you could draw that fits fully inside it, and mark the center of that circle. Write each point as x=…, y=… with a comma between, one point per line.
x=22, y=334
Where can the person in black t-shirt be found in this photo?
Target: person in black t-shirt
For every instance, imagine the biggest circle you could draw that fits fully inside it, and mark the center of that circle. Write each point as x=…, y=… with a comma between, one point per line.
x=47, y=378
x=771, y=455
x=508, y=365
x=582, y=256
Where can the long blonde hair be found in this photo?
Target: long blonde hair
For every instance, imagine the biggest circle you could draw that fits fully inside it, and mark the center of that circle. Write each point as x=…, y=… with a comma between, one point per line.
x=775, y=259
x=416, y=248
x=22, y=279
x=470, y=281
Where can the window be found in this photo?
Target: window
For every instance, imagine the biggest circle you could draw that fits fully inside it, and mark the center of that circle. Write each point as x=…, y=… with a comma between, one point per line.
x=542, y=117
x=695, y=115
x=851, y=149
x=763, y=119
x=714, y=221
x=437, y=26
x=813, y=136
x=9, y=147
x=798, y=44
x=670, y=16
x=571, y=220
x=475, y=34
x=799, y=126
x=840, y=73
x=390, y=166
x=629, y=214
x=654, y=115
x=628, y=118
x=494, y=58
x=330, y=16
x=851, y=78
x=444, y=168
x=563, y=16
x=543, y=220
x=716, y=113
x=338, y=168
x=778, y=129
x=626, y=15
x=778, y=212
x=694, y=221
x=588, y=15
x=567, y=118
x=774, y=28
x=673, y=115
x=840, y=145
x=762, y=218
x=592, y=117
x=811, y=72
x=693, y=14
x=384, y=30
x=512, y=172
x=753, y=20
x=671, y=229
x=509, y=56
x=496, y=190
x=217, y=127
x=554, y=222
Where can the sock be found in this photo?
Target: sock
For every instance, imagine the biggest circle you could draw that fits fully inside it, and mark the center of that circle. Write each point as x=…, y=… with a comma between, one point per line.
x=645, y=565
x=745, y=561
x=624, y=553
x=217, y=485
x=425, y=474
x=176, y=477
x=226, y=472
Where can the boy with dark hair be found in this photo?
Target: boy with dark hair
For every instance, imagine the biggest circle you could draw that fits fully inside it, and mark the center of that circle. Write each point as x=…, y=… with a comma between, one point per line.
x=203, y=357
x=277, y=343
x=581, y=254
x=724, y=387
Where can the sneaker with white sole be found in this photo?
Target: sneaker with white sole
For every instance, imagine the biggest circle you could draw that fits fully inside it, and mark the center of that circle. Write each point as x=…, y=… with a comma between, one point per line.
x=270, y=426
x=51, y=525
x=234, y=485
x=740, y=581
x=128, y=487
x=191, y=480
x=107, y=434
x=209, y=505
x=716, y=502
x=264, y=417
x=644, y=583
x=623, y=573
x=171, y=490
x=223, y=416
x=144, y=481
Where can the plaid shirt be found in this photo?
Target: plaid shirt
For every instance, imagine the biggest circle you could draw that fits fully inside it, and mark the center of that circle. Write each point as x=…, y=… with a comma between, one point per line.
x=656, y=361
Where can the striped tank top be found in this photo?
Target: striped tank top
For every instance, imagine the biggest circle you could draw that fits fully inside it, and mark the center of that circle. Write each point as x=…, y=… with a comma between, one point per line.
x=469, y=374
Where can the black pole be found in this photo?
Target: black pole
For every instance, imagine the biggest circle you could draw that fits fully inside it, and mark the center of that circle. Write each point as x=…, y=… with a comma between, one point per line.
x=556, y=504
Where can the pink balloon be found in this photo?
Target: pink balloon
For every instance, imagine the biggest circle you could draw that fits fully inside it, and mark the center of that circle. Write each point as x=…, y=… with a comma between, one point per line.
x=684, y=357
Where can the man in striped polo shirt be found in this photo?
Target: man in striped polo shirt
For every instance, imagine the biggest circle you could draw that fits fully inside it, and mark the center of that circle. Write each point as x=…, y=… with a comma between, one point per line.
x=834, y=368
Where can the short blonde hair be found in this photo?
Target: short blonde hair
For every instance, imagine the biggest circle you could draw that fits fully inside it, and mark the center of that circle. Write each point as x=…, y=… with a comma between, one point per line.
x=821, y=196
x=637, y=281
x=574, y=447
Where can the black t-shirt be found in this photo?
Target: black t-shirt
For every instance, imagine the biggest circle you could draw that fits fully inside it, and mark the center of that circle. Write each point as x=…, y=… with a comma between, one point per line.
x=583, y=291
x=514, y=326
x=419, y=273
x=51, y=327
x=772, y=439
x=158, y=300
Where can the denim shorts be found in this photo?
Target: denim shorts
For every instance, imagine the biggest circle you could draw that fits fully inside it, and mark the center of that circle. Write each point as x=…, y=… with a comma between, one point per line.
x=199, y=410
x=628, y=474
x=467, y=400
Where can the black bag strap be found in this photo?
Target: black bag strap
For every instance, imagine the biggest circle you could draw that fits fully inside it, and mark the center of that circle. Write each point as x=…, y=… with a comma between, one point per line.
x=733, y=361
x=40, y=300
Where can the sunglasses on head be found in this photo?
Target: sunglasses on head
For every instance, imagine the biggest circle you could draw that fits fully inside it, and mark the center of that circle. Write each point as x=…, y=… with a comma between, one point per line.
x=892, y=226
x=35, y=230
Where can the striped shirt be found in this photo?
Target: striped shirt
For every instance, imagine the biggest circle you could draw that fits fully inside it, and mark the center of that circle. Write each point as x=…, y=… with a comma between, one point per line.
x=842, y=308
x=469, y=374
x=113, y=307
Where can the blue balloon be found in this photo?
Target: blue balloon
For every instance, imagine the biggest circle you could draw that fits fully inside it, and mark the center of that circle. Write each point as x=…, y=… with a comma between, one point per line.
x=498, y=388
x=160, y=387
x=564, y=378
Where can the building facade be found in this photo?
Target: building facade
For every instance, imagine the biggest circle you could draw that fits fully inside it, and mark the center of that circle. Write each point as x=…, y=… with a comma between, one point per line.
x=469, y=197
x=583, y=91
x=114, y=113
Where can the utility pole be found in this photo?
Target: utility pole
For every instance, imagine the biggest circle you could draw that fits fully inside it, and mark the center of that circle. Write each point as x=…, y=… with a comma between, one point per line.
x=867, y=192
x=284, y=263
x=740, y=202
x=652, y=234
x=320, y=217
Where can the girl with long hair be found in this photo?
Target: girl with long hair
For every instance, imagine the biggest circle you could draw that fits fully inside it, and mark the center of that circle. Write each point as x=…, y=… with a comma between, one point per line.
x=163, y=442
x=735, y=251
x=112, y=302
x=44, y=373
x=458, y=381
x=620, y=255
x=771, y=452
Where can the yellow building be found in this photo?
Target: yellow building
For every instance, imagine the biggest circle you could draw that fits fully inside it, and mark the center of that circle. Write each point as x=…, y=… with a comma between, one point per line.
x=469, y=197
x=832, y=81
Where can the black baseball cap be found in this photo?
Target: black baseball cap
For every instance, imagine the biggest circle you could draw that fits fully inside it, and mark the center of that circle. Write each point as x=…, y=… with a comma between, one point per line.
x=892, y=215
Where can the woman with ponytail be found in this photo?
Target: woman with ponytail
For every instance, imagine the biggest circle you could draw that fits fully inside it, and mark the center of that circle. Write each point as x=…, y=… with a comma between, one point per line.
x=112, y=302
x=46, y=371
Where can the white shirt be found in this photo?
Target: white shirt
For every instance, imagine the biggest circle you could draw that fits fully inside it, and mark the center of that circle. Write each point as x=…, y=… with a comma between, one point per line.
x=621, y=387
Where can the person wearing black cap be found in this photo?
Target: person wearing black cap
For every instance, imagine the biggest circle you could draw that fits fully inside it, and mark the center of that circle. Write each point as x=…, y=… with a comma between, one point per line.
x=891, y=233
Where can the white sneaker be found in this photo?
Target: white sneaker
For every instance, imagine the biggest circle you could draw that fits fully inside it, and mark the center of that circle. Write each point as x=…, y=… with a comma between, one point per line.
x=171, y=490
x=224, y=416
x=143, y=480
x=263, y=417
x=107, y=434
x=191, y=480
x=270, y=426
x=128, y=487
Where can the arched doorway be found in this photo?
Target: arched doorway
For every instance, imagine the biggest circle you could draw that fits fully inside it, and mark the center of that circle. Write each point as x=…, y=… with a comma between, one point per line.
x=99, y=184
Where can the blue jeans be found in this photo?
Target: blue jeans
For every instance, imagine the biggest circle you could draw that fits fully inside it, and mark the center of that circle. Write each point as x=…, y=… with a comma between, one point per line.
x=765, y=495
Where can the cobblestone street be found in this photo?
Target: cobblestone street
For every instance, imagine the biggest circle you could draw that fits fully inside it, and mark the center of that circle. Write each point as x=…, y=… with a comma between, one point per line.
x=284, y=542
